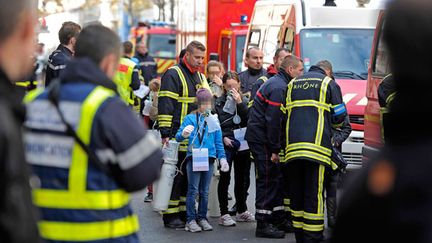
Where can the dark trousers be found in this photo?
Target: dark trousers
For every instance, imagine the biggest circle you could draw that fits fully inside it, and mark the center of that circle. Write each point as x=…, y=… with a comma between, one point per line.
x=307, y=205
x=284, y=191
x=177, y=203
x=268, y=178
x=241, y=161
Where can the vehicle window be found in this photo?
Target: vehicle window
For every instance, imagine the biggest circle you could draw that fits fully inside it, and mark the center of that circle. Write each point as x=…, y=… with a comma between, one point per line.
x=380, y=66
x=225, y=51
x=289, y=39
x=240, y=43
x=347, y=49
x=254, y=38
x=162, y=46
x=271, y=43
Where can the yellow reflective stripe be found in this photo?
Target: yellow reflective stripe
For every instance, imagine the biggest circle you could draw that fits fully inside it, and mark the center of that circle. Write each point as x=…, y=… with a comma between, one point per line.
x=263, y=78
x=32, y=95
x=165, y=124
x=171, y=210
x=67, y=231
x=174, y=202
x=298, y=214
x=308, y=79
x=308, y=154
x=390, y=98
x=310, y=146
x=169, y=94
x=78, y=169
x=287, y=209
x=22, y=84
x=287, y=201
x=313, y=216
x=182, y=199
x=313, y=103
x=187, y=99
x=250, y=104
x=98, y=200
x=288, y=111
x=322, y=100
x=185, y=92
x=297, y=224
x=320, y=185
x=182, y=208
x=204, y=83
x=315, y=228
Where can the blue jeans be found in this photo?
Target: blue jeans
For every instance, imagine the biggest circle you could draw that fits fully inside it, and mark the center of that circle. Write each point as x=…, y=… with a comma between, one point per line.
x=198, y=182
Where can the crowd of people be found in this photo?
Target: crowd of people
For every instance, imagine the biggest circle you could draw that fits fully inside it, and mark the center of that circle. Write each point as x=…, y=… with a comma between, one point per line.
x=86, y=139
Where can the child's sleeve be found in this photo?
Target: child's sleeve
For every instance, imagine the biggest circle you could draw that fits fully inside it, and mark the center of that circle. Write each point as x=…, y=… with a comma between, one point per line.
x=187, y=121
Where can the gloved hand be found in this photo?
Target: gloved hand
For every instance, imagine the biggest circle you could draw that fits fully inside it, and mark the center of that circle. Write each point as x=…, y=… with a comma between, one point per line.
x=187, y=131
x=224, y=165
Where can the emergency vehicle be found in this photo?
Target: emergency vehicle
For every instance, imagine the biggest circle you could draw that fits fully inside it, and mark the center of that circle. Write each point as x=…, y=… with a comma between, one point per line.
x=219, y=24
x=378, y=69
x=343, y=35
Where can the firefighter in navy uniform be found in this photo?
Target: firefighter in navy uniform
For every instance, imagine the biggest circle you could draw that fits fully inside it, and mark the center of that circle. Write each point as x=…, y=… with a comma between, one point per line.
x=254, y=61
x=272, y=70
x=88, y=149
x=177, y=99
x=313, y=106
x=57, y=61
x=264, y=138
x=386, y=94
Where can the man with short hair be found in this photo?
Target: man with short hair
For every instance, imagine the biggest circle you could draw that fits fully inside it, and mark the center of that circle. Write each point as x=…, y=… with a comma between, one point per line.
x=58, y=60
x=18, y=20
x=264, y=138
x=146, y=63
x=254, y=62
x=314, y=106
x=88, y=148
x=177, y=99
x=127, y=77
x=272, y=70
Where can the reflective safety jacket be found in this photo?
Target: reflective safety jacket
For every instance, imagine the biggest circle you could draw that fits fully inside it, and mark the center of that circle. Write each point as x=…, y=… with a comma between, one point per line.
x=127, y=80
x=266, y=114
x=271, y=71
x=386, y=94
x=78, y=201
x=177, y=99
x=313, y=106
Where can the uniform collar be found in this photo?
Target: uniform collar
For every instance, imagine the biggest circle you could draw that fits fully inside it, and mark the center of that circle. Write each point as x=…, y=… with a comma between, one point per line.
x=285, y=75
x=85, y=70
x=317, y=70
x=65, y=50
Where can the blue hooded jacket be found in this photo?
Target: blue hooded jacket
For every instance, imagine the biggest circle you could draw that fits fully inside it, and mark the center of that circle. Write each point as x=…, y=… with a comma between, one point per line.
x=212, y=141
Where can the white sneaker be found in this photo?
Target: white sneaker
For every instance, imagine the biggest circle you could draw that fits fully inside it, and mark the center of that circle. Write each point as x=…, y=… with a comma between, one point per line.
x=226, y=220
x=205, y=225
x=192, y=226
x=245, y=217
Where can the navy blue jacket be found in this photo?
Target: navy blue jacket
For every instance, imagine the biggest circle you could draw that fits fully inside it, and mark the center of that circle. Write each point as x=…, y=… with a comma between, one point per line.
x=248, y=78
x=148, y=67
x=57, y=63
x=265, y=115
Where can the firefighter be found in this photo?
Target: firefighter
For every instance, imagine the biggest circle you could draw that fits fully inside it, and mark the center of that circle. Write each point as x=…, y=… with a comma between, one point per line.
x=57, y=61
x=177, y=99
x=386, y=94
x=272, y=70
x=263, y=135
x=146, y=63
x=313, y=106
x=18, y=22
x=88, y=149
x=254, y=62
x=390, y=199
x=127, y=77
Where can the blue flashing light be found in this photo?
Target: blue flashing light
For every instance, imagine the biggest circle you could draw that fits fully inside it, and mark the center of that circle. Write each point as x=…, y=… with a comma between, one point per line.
x=243, y=19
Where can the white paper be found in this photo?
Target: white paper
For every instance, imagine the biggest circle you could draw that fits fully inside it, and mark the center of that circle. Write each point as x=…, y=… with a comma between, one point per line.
x=142, y=91
x=239, y=134
x=200, y=160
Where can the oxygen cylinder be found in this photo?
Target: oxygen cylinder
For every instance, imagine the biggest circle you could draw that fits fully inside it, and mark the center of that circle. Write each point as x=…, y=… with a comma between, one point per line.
x=163, y=186
x=213, y=194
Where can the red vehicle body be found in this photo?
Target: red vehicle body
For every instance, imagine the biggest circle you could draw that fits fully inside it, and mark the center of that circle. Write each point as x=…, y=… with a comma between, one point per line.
x=213, y=22
x=378, y=69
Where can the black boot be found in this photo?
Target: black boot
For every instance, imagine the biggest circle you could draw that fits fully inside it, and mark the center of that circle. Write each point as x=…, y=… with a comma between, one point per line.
x=175, y=223
x=285, y=226
x=331, y=211
x=267, y=230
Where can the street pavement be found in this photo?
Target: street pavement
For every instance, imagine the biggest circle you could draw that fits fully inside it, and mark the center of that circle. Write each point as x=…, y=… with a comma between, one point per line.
x=152, y=229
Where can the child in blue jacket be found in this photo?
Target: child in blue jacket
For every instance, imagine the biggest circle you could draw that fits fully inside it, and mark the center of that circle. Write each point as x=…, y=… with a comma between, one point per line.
x=195, y=128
